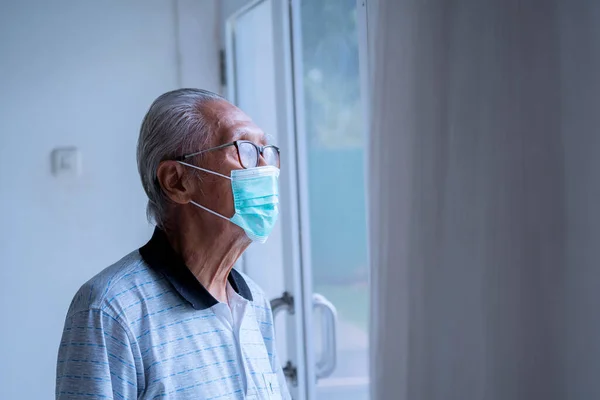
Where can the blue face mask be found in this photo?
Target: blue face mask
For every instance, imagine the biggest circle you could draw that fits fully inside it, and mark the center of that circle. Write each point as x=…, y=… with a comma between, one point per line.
x=255, y=199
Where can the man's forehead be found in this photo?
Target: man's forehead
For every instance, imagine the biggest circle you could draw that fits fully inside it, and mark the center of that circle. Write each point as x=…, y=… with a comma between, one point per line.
x=234, y=124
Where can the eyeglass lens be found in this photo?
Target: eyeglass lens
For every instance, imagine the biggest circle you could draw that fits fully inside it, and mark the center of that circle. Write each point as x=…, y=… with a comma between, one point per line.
x=249, y=155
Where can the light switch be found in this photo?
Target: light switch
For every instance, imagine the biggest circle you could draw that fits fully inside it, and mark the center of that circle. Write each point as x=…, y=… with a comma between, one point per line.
x=66, y=162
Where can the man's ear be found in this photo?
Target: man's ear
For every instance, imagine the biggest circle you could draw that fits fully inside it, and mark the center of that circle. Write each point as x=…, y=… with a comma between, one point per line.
x=173, y=180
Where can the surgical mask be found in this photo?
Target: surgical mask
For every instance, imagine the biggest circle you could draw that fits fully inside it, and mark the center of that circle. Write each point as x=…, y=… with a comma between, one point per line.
x=255, y=199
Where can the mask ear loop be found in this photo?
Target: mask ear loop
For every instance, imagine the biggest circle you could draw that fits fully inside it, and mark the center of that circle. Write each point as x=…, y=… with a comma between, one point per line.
x=210, y=172
x=210, y=211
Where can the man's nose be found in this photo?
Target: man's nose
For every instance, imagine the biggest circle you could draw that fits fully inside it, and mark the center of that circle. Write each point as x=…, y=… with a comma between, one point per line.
x=261, y=161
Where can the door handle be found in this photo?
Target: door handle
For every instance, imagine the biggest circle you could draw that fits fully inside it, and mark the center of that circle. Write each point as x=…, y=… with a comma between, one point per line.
x=326, y=364
x=286, y=303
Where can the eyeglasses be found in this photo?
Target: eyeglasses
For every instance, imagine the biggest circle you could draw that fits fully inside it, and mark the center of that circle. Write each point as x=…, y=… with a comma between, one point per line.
x=248, y=152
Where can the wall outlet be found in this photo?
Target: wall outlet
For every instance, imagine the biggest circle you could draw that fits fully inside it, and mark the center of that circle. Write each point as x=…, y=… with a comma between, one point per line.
x=66, y=162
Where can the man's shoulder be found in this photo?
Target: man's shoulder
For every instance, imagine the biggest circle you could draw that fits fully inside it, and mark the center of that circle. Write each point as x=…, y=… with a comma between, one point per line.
x=111, y=283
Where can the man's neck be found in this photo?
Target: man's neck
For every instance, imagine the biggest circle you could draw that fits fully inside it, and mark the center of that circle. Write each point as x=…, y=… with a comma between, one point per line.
x=210, y=252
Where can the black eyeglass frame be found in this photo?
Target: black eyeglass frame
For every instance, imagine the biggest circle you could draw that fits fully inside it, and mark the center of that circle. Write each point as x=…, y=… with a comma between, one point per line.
x=259, y=152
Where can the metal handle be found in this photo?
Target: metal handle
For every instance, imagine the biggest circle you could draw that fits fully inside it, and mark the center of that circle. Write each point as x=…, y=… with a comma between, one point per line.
x=285, y=302
x=326, y=365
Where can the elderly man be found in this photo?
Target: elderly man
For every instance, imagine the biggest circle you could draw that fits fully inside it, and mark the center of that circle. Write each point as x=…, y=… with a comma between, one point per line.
x=173, y=319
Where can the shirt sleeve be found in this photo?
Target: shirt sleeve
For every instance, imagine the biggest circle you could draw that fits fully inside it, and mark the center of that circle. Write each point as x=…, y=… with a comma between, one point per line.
x=95, y=359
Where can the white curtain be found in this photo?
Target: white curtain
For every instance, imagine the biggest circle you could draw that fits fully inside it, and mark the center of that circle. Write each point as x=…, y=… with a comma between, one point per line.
x=484, y=196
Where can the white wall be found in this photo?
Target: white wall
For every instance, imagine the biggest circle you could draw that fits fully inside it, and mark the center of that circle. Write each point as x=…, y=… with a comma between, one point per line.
x=78, y=73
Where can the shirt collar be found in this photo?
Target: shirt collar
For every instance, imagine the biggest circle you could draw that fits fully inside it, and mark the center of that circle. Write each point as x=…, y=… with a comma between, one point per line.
x=161, y=257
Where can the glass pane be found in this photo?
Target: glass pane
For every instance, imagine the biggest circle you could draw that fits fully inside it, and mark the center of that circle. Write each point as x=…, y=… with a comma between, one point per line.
x=336, y=147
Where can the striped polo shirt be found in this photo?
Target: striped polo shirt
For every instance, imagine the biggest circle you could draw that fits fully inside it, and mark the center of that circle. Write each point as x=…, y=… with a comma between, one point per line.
x=145, y=328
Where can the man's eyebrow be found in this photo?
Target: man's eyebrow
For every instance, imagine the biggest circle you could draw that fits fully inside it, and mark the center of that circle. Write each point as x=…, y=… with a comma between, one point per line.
x=241, y=132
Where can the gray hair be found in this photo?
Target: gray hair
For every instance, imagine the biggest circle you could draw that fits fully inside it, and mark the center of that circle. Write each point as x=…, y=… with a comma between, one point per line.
x=173, y=126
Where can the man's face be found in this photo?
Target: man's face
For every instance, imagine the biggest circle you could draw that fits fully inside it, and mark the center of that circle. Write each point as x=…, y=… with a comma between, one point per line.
x=230, y=124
